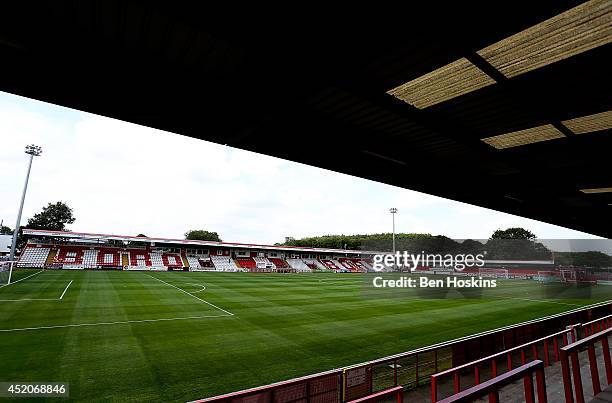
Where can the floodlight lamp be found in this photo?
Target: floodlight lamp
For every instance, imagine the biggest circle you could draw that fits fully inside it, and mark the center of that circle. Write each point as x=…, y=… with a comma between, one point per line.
x=33, y=150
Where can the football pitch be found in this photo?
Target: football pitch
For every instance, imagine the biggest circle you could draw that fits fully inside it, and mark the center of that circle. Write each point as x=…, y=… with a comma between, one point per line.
x=178, y=336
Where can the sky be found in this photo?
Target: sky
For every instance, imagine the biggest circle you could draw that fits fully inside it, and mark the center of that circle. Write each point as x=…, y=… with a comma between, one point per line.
x=121, y=178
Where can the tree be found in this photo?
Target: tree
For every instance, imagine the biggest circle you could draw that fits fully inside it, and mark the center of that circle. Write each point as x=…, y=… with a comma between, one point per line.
x=592, y=259
x=53, y=217
x=359, y=241
x=516, y=244
x=513, y=233
x=202, y=235
x=4, y=230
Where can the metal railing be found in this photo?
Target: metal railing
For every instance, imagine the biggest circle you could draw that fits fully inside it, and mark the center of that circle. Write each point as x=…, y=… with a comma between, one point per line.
x=596, y=325
x=492, y=386
x=570, y=352
x=567, y=336
x=383, y=395
x=323, y=387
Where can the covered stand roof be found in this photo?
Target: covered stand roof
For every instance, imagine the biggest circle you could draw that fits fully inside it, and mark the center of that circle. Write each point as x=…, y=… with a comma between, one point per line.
x=506, y=107
x=92, y=237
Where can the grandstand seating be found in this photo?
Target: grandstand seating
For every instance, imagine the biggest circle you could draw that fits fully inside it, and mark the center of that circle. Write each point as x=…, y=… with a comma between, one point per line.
x=141, y=259
x=108, y=257
x=172, y=260
x=33, y=257
x=90, y=259
x=299, y=265
x=70, y=257
x=224, y=263
x=263, y=262
x=353, y=265
x=331, y=265
x=279, y=263
x=314, y=264
x=164, y=260
x=246, y=263
x=363, y=264
x=194, y=263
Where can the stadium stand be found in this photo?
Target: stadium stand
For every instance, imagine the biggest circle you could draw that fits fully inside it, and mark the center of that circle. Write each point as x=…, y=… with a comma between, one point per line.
x=224, y=263
x=362, y=264
x=33, y=257
x=263, y=262
x=353, y=265
x=314, y=264
x=279, y=263
x=299, y=265
x=331, y=264
x=108, y=258
x=69, y=257
x=246, y=263
x=140, y=260
x=194, y=263
x=172, y=260
x=90, y=258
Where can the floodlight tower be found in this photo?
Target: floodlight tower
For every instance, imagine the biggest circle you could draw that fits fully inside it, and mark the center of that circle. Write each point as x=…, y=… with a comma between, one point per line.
x=393, y=211
x=33, y=151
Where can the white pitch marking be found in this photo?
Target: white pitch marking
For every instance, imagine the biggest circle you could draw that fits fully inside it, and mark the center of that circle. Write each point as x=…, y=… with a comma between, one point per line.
x=66, y=289
x=199, y=285
x=28, y=299
x=188, y=293
x=21, y=279
x=111, y=323
x=542, y=300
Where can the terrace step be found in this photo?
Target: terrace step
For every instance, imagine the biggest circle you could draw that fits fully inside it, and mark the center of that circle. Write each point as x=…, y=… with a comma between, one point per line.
x=51, y=257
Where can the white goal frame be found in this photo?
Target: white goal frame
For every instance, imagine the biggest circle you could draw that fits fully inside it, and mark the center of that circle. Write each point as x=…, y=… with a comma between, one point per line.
x=495, y=273
x=8, y=265
x=546, y=276
x=573, y=275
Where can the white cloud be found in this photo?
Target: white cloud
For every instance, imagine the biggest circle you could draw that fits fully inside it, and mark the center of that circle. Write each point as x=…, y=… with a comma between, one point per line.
x=128, y=179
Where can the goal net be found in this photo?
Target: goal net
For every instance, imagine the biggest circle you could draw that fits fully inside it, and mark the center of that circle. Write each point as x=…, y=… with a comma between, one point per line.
x=547, y=276
x=576, y=276
x=493, y=273
x=6, y=272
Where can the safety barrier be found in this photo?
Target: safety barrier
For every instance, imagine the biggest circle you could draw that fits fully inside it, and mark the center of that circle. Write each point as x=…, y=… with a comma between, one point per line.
x=596, y=325
x=543, y=345
x=492, y=386
x=323, y=387
x=571, y=352
x=384, y=395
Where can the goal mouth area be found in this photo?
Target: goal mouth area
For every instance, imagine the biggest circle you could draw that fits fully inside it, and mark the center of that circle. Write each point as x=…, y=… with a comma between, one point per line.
x=6, y=271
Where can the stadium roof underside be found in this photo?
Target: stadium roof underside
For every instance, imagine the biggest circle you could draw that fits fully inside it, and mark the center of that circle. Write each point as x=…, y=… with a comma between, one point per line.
x=88, y=237
x=505, y=106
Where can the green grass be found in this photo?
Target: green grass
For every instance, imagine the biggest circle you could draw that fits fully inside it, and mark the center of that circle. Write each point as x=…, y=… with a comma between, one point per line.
x=283, y=325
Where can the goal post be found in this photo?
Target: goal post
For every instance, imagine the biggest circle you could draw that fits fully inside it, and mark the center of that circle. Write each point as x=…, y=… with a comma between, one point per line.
x=546, y=276
x=494, y=273
x=6, y=271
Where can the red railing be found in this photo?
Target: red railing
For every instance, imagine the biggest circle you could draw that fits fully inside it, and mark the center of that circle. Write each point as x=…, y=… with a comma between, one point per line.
x=323, y=387
x=383, y=395
x=571, y=352
x=596, y=325
x=492, y=386
x=552, y=340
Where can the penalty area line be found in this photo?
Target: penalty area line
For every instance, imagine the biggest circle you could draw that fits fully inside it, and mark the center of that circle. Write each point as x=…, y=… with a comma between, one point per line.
x=541, y=300
x=121, y=322
x=65, y=289
x=203, y=287
x=190, y=294
x=21, y=279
